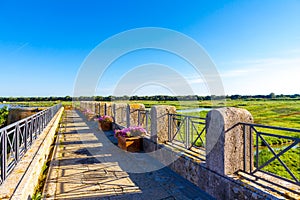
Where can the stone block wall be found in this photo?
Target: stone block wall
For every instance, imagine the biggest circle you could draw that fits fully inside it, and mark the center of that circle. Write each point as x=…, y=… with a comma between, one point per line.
x=102, y=108
x=120, y=113
x=225, y=140
x=17, y=114
x=134, y=115
x=160, y=122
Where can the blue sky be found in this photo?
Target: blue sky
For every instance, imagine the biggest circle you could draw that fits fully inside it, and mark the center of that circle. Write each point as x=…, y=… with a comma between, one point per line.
x=255, y=45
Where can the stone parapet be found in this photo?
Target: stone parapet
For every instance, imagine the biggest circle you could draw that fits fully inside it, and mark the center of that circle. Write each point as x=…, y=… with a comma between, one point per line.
x=120, y=113
x=160, y=122
x=225, y=140
x=135, y=118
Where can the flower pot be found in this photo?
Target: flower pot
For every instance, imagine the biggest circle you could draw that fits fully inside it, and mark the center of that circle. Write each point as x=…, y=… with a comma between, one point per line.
x=131, y=144
x=90, y=117
x=104, y=126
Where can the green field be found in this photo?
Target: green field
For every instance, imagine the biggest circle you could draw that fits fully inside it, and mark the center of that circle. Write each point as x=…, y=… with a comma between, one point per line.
x=3, y=116
x=283, y=113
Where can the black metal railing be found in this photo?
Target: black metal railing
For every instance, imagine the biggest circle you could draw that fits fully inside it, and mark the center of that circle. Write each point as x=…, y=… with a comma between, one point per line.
x=121, y=116
x=17, y=138
x=273, y=150
x=187, y=130
x=143, y=119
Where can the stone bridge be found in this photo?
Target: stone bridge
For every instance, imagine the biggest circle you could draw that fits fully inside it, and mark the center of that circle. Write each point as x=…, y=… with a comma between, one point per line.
x=87, y=164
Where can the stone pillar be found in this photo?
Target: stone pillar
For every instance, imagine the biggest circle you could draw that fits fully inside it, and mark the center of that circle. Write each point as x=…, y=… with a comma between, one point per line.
x=85, y=105
x=82, y=106
x=160, y=122
x=97, y=108
x=102, y=108
x=119, y=113
x=225, y=140
x=93, y=106
x=134, y=114
x=90, y=106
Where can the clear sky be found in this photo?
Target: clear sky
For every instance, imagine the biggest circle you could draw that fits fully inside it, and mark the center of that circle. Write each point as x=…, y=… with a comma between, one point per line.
x=255, y=44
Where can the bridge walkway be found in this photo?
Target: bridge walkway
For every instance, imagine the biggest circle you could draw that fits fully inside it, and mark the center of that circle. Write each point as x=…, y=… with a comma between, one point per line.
x=87, y=164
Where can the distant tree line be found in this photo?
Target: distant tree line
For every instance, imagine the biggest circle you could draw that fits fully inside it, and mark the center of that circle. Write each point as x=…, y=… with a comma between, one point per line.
x=152, y=98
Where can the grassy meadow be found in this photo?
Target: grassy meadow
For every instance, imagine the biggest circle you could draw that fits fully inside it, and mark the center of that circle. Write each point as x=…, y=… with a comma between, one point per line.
x=283, y=113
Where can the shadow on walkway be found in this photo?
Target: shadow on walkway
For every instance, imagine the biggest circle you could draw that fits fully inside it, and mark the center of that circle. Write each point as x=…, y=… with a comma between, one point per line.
x=87, y=164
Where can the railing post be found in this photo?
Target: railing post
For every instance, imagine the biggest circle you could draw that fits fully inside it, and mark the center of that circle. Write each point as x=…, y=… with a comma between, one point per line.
x=257, y=152
x=17, y=142
x=128, y=118
x=4, y=156
x=26, y=135
x=139, y=117
x=225, y=141
x=160, y=122
x=31, y=128
x=147, y=120
x=169, y=127
x=251, y=145
x=187, y=132
x=245, y=145
x=134, y=111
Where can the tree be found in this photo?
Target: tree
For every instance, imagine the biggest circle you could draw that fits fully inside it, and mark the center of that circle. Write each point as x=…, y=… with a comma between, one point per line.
x=271, y=95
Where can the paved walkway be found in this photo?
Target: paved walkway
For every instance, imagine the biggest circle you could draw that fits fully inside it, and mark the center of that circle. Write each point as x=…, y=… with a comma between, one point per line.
x=88, y=165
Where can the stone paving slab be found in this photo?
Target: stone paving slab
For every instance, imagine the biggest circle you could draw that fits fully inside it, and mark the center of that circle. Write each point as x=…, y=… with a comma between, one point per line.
x=88, y=165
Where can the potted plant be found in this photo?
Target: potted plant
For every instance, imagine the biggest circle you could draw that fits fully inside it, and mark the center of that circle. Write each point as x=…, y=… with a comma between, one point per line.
x=105, y=122
x=130, y=139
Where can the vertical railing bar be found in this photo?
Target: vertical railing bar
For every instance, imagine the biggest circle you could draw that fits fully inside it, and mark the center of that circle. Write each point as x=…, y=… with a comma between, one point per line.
x=146, y=114
x=25, y=136
x=99, y=107
x=245, y=147
x=31, y=130
x=17, y=141
x=251, y=146
x=139, y=117
x=169, y=127
x=256, y=164
x=186, y=132
x=4, y=156
x=191, y=133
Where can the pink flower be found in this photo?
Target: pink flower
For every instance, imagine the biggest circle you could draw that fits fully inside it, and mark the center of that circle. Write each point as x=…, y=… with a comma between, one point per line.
x=130, y=131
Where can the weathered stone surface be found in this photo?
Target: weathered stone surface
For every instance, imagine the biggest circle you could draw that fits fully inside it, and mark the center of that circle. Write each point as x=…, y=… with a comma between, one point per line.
x=97, y=108
x=134, y=117
x=160, y=122
x=102, y=108
x=17, y=114
x=120, y=113
x=104, y=177
x=91, y=106
x=225, y=139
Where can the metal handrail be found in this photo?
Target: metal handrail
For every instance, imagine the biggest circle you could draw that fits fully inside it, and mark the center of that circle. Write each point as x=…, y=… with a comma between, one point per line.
x=144, y=119
x=18, y=137
x=260, y=135
x=185, y=129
